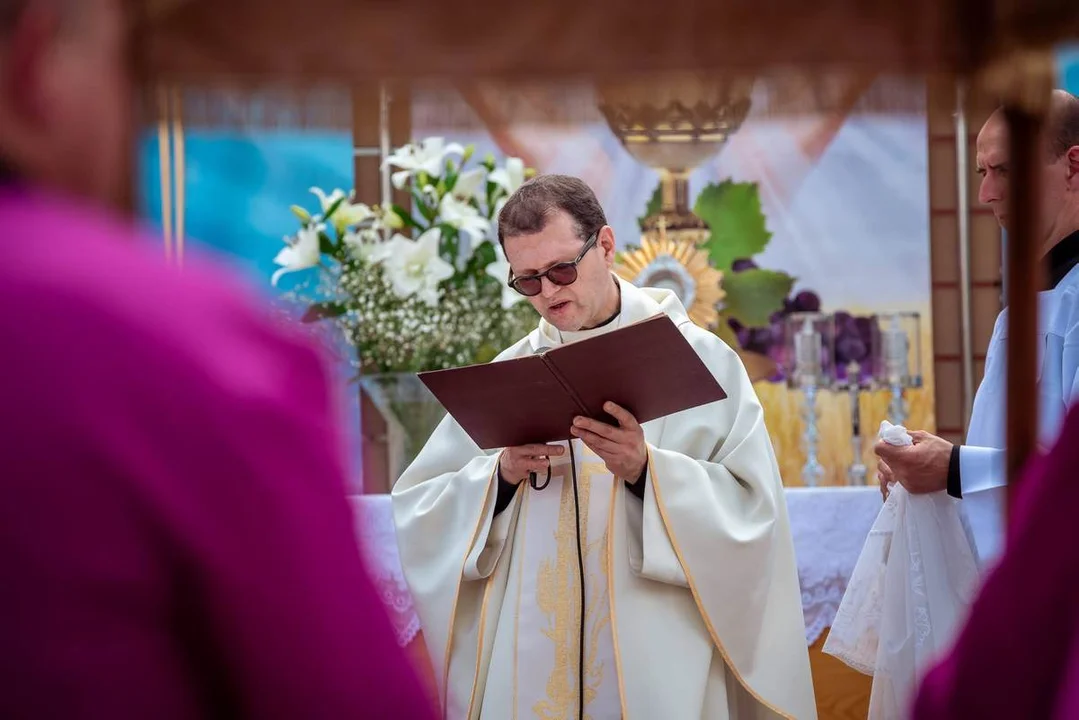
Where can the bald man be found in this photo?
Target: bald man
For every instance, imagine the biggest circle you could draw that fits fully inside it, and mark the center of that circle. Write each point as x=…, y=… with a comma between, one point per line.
x=976, y=470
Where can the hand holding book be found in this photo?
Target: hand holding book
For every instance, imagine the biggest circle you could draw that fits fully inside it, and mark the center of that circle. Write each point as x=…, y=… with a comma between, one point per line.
x=622, y=447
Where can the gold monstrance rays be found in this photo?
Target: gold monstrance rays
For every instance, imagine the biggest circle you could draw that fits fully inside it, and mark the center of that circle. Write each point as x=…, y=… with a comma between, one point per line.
x=678, y=265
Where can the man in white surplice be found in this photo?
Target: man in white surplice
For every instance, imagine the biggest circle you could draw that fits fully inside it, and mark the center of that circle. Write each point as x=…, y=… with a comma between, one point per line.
x=975, y=471
x=692, y=607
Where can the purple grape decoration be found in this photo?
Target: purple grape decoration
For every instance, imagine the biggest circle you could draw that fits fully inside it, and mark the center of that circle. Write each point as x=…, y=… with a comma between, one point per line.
x=807, y=301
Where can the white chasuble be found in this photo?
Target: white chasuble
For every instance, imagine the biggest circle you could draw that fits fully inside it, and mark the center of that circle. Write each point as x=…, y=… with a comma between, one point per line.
x=692, y=607
x=538, y=631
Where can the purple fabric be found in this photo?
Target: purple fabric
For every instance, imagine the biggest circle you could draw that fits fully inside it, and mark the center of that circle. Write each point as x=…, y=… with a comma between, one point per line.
x=174, y=536
x=1018, y=655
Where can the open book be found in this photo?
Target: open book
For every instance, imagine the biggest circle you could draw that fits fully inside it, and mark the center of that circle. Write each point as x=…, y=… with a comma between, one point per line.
x=648, y=367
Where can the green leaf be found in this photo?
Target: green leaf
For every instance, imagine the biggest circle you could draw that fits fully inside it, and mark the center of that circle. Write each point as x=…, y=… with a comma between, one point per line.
x=448, y=246
x=301, y=214
x=333, y=208
x=426, y=210
x=655, y=204
x=484, y=254
x=753, y=295
x=732, y=212
x=325, y=244
x=406, y=216
x=323, y=311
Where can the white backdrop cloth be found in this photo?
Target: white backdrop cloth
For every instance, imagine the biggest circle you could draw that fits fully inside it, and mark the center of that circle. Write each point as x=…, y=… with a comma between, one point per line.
x=830, y=525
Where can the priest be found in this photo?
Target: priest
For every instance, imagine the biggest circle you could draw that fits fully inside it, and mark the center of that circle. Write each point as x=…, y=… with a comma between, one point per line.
x=655, y=577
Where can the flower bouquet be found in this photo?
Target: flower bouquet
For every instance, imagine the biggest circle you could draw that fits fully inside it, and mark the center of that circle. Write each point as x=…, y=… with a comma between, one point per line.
x=413, y=290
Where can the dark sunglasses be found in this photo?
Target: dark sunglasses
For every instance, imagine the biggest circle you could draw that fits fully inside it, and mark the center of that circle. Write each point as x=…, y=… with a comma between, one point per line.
x=564, y=273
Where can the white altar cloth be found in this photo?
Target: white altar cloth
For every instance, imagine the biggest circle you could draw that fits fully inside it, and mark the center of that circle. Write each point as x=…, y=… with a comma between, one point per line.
x=378, y=540
x=829, y=526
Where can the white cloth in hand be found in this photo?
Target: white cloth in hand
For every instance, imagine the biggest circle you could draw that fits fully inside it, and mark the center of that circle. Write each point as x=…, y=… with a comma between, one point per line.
x=908, y=594
x=894, y=434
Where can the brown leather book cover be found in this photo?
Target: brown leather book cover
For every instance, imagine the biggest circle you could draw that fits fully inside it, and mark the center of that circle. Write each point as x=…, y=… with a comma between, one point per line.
x=648, y=367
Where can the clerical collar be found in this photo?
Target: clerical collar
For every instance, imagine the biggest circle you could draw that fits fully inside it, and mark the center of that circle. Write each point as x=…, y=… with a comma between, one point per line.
x=617, y=309
x=608, y=321
x=1062, y=258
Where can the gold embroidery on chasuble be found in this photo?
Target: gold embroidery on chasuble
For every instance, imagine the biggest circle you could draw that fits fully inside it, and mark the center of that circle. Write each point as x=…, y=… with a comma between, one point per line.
x=558, y=596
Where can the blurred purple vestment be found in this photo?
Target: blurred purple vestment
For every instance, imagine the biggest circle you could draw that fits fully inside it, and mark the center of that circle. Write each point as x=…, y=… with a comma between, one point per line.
x=174, y=536
x=1018, y=655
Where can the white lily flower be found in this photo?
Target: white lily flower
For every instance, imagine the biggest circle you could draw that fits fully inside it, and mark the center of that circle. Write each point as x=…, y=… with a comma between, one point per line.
x=351, y=214
x=324, y=200
x=464, y=217
x=510, y=177
x=379, y=252
x=414, y=267
x=347, y=213
x=390, y=219
x=364, y=243
x=471, y=184
x=500, y=271
x=492, y=232
x=300, y=253
x=428, y=155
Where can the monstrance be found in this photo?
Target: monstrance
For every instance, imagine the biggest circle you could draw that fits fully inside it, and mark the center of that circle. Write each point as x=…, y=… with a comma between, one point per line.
x=677, y=265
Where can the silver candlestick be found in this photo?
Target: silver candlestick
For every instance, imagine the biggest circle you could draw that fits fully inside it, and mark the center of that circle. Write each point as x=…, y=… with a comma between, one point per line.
x=856, y=473
x=810, y=336
x=895, y=373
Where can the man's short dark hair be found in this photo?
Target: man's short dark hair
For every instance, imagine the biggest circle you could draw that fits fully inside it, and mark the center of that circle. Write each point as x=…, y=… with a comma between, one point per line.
x=1062, y=123
x=528, y=210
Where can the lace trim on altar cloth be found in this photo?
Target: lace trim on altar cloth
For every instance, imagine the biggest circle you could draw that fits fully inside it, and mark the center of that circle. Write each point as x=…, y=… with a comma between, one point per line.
x=820, y=602
x=829, y=527
x=378, y=540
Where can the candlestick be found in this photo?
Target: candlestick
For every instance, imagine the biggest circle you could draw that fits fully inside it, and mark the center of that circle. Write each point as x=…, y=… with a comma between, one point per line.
x=807, y=350
x=897, y=333
x=896, y=352
x=856, y=473
x=808, y=334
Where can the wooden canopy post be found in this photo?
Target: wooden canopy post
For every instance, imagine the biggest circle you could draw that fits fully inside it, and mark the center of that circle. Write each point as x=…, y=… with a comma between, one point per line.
x=381, y=114
x=1024, y=282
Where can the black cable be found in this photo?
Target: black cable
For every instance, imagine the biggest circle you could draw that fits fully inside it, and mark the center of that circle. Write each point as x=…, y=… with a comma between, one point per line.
x=580, y=573
x=533, y=479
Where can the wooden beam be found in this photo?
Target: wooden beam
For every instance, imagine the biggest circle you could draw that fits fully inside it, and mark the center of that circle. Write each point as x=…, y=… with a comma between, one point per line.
x=1024, y=282
x=367, y=118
